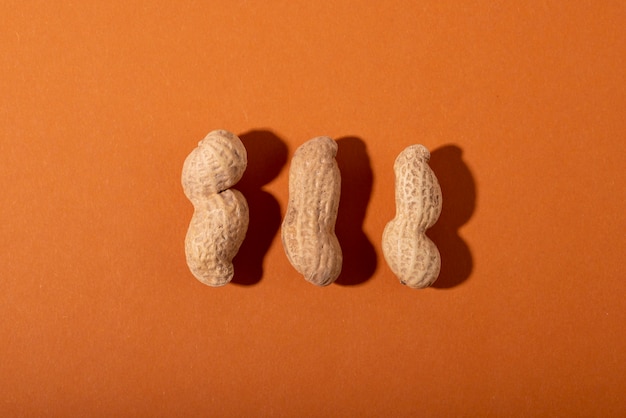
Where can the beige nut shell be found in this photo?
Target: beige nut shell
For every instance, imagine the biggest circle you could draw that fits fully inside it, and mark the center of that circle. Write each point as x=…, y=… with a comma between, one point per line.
x=410, y=254
x=217, y=164
x=221, y=215
x=215, y=234
x=308, y=229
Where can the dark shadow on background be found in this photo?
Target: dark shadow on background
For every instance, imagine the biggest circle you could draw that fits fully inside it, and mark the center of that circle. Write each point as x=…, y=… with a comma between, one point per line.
x=458, y=189
x=267, y=155
x=359, y=255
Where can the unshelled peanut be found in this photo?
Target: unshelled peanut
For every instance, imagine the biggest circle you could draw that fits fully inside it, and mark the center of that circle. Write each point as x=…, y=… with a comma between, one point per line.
x=410, y=254
x=308, y=230
x=220, y=219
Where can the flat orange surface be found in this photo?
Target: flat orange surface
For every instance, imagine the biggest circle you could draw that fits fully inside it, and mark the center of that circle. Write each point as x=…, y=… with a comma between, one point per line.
x=522, y=105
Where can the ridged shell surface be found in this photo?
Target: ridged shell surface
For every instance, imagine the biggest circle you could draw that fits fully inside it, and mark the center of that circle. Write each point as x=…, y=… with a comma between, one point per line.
x=220, y=219
x=217, y=164
x=216, y=232
x=410, y=254
x=308, y=230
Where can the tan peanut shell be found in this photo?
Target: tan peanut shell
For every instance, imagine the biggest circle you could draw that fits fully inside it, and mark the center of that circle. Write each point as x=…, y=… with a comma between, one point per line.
x=215, y=165
x=308, y=230
x=410, y=254
x=220, y=219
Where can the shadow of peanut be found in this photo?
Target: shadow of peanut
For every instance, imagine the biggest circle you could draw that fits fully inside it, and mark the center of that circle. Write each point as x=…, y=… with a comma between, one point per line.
x=359, y=255
x=459, y=201
x=267, y=155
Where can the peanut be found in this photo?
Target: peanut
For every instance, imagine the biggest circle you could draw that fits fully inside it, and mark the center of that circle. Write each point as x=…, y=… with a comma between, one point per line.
x=308, y=230
x=410, y=254
x=220, y=219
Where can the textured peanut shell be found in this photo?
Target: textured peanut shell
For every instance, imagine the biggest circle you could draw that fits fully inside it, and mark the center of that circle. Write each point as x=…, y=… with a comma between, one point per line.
x=220, y=219
x=217, y=230
x=308, y=230
x=410, y=254
x=217, y=164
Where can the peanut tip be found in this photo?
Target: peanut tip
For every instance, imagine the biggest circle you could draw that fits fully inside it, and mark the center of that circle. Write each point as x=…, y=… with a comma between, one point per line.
x=420, y=151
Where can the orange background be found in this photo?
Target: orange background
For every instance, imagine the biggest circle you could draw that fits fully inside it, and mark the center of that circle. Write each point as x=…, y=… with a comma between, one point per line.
x=522, y=105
